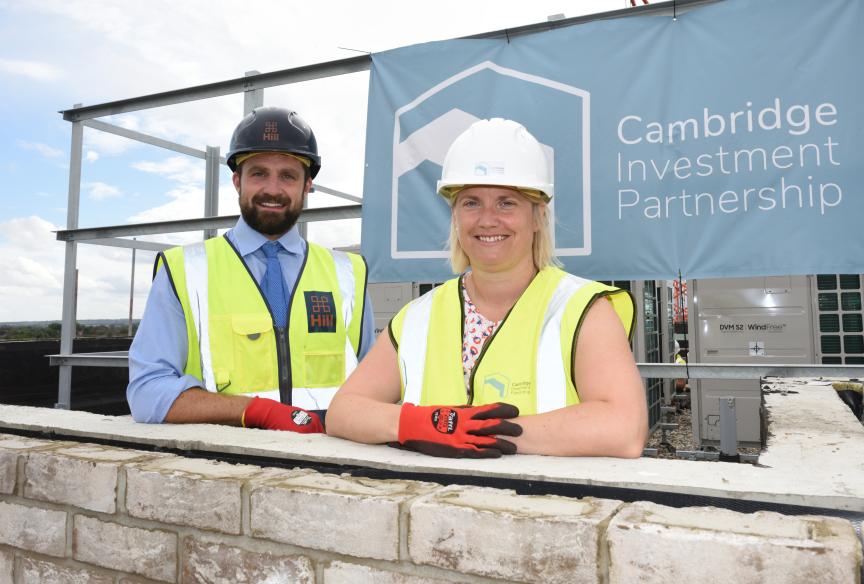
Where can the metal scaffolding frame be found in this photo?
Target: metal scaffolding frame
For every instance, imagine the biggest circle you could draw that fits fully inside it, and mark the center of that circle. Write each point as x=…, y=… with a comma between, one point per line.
x=252, y=86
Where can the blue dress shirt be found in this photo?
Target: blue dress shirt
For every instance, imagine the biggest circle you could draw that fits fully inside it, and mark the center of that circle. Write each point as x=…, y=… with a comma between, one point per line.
x=157, y=356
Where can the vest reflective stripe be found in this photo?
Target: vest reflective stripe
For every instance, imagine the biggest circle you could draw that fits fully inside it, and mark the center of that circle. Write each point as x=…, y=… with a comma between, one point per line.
x=195, y=260
x=318, y=398
x=412, y=349
x=551, y=369
x=303, y=397
x=230, y=329
x=271, y=394
x=347, y=285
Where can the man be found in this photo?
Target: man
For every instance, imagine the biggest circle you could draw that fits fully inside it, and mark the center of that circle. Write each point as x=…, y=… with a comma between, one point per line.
x=258, y=327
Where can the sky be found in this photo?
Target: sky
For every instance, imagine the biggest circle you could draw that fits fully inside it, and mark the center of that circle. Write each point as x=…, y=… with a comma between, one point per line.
x=58, y=53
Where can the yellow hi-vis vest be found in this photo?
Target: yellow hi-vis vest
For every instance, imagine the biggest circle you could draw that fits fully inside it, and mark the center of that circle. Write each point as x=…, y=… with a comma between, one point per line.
x=234, y=346
x=528, y=360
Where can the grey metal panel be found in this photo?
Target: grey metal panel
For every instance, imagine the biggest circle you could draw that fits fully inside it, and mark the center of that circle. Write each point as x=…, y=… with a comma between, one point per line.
x=388, y=298
x=224, y=222
x=748, y=321
x=728, y=427
x=706, y=410
x=145, y=138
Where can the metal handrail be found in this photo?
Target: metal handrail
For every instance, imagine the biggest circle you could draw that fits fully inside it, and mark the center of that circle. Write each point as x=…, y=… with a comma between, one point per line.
x=647, y=370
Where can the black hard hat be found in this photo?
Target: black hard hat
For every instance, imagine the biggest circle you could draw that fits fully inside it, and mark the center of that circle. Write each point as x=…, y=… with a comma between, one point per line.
x=274, y=129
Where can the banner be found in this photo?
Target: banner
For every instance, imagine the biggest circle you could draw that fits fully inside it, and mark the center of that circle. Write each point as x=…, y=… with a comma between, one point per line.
x=726, y=142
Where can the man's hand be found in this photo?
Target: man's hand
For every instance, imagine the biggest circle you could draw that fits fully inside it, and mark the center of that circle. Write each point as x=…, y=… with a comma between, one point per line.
x=272, y=415
x=458, y=431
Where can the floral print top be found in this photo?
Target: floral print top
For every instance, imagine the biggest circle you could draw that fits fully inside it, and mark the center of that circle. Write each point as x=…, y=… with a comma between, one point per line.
x=478, y=328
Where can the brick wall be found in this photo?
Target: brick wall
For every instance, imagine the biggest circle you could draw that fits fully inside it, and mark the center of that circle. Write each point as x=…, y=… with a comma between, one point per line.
x=72, y=512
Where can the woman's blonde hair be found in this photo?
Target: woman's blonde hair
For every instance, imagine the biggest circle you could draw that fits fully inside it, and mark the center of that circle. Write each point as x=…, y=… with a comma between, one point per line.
x=542, y=249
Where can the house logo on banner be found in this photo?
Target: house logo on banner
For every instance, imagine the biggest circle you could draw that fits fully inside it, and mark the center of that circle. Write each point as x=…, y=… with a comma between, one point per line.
x=425, y=128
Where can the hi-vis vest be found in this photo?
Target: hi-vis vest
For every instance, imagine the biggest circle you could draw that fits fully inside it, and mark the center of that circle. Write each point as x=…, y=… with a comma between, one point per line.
x=528, y=360
x=234, y=346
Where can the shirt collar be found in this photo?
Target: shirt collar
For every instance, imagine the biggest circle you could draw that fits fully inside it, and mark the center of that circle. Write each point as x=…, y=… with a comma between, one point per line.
x=248, y=241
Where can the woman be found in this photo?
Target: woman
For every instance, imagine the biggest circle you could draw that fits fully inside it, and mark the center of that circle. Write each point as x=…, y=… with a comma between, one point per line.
x=513, y=331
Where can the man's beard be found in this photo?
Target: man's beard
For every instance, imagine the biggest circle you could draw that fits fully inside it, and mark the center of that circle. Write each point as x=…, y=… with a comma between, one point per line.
x=269, y=223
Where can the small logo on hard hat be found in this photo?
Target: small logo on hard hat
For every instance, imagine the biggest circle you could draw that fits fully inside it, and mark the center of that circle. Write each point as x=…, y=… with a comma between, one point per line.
x=488, y=168
x=271, y=131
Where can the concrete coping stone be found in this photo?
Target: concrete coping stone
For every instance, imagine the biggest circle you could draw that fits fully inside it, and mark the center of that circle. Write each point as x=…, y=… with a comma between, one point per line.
x=809, y=428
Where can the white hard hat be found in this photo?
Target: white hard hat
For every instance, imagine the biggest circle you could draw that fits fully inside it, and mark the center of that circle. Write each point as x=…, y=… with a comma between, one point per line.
x=497, y=152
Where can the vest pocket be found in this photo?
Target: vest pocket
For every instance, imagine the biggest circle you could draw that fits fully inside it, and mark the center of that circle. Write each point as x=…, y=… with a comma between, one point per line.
x=254, y=345
x=323, y=369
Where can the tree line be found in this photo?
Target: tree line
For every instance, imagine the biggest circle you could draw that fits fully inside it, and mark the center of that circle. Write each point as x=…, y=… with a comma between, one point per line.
x=51, y=330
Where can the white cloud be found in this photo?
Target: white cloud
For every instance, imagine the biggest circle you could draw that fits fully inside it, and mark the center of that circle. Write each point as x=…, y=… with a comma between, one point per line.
x=185, y=170
x=99, y=191
x=28, y=269
x=43, y=149
x=187, y=202
x=31, y=275
x=32, y=69
x=91, y=156
x=27, y=233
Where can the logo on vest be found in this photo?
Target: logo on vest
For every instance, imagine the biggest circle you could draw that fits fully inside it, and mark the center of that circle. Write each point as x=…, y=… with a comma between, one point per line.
x=320, y=312
x=444, y=420
x=497, y=382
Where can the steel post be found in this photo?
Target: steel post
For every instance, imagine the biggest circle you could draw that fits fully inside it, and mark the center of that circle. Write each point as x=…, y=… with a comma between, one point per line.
x=67, y=330
x=211, y=187
x=252, y=97
x=131, y=292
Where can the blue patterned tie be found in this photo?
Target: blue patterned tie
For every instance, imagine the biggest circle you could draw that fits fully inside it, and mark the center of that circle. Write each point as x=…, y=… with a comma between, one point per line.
x=274, y=285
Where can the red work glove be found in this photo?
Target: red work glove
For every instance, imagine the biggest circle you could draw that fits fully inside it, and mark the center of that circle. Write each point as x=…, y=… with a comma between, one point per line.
x=458, y=431
x=272, y=415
